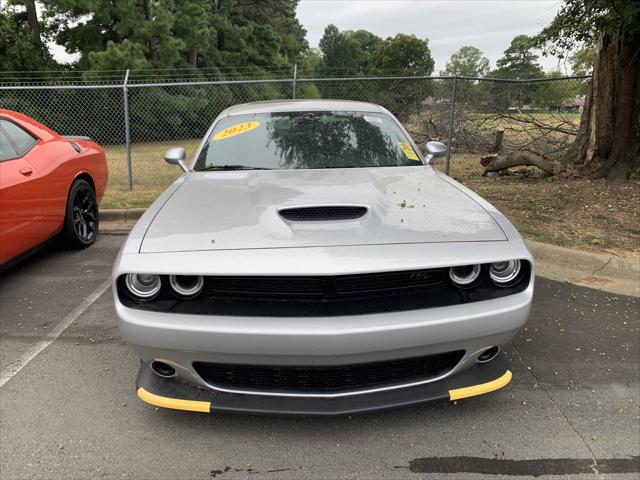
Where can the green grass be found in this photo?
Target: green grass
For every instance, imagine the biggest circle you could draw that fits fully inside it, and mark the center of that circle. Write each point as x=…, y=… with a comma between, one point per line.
x=462, y=166
x=151, y=174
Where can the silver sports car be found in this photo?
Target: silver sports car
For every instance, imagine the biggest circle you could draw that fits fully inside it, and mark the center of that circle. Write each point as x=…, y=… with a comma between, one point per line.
x=311, y=261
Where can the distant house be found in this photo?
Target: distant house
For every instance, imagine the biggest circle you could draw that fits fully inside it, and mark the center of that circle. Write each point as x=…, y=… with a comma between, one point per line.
x=575, y=104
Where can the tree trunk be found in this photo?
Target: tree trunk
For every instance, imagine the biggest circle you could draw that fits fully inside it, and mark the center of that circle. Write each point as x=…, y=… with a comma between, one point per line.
x=32, y=19
x=608, y=143
x=152, y=43
x=497, y=141
x=193, y=57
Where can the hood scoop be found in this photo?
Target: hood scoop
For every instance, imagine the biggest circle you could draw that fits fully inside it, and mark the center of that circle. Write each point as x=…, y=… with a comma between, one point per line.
x=322, y=213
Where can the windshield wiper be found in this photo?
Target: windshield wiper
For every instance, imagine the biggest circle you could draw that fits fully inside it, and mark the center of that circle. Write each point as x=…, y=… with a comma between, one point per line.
x=231, y=167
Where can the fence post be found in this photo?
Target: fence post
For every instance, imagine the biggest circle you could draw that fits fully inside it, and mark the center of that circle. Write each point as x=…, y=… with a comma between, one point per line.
x=451, y=114
x=295, y=77
x=127, y=135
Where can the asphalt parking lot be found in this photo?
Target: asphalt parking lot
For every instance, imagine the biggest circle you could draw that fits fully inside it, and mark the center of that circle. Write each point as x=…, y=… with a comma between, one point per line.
x=68, y=407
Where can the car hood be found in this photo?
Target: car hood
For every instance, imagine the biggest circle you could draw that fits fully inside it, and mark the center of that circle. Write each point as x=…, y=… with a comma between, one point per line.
x=229, y=210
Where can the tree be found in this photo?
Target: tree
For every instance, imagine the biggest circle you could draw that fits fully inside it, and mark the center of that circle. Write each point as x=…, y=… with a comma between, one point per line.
x=608, y=142
x=30, y=14
x=194, y=27
x=347, y=53
x=102, y=32
x=404, y=55
x=582, y=61
x=21, y=46
x=356, y=53
x=556, y=95
x=310, y=65
x=118, y=56
x=167, y=34
x=367, y=43
x=520, y=60
x=467, y=62
x=261, y=34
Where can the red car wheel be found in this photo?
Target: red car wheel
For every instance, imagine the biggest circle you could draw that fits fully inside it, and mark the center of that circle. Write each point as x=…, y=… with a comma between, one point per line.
x=81, y=219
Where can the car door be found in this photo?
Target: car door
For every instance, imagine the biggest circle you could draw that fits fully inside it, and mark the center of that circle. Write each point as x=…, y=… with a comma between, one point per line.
x=20, y=206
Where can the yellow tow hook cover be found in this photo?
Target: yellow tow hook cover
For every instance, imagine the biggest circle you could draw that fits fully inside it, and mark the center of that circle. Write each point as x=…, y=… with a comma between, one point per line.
x=174, y=403
x=482, y=388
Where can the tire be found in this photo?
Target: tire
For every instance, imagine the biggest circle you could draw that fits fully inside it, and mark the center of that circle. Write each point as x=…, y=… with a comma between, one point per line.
x=81, y=218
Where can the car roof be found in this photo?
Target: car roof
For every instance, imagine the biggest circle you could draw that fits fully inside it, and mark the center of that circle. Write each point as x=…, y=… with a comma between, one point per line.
x=31, y=125
x=302, y=106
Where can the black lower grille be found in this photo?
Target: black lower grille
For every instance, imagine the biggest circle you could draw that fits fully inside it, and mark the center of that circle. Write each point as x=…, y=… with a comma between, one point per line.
x=327, y=379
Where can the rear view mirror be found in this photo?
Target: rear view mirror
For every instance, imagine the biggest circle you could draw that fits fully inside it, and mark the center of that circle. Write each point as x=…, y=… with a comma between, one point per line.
x=177, y=156
x=435, y=150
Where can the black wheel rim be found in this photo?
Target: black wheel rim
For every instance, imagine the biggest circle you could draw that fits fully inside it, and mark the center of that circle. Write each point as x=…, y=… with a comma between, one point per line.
x=85, y=214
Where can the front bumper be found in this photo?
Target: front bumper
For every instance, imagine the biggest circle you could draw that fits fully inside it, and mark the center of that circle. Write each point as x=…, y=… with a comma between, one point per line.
x=180, y=339
x=180, y=395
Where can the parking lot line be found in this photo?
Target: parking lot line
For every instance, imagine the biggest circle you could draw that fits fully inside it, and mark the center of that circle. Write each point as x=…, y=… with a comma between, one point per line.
x=14, y=367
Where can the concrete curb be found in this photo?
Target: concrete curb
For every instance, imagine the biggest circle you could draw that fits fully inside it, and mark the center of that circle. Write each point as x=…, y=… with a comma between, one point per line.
x=121, y=215
x=602, y=271
x=595, y=263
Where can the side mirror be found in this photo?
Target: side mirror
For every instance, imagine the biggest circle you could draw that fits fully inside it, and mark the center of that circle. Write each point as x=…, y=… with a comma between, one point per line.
x=435, y=150
x=177, y=156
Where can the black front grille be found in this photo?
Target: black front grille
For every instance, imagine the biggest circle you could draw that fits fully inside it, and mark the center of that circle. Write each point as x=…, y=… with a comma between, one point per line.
x=328, y=288
x=322, y=213
x=327, y=379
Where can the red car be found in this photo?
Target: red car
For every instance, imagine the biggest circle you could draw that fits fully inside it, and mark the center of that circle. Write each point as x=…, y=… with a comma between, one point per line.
x=49, y=185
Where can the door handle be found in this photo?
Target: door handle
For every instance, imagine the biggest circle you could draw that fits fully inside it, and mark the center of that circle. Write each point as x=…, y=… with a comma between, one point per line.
x=26, y=171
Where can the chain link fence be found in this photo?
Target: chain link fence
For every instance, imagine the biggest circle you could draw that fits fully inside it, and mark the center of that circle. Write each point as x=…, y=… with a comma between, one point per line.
x=136, y=118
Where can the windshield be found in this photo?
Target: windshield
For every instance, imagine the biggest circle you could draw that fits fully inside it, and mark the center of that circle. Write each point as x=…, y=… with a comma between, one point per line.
x=299, y=140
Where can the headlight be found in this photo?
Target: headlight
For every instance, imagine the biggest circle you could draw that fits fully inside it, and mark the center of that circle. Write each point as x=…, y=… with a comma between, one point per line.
x=143, y=286
x=464, y=275
x=505, y=273
x=186, y=286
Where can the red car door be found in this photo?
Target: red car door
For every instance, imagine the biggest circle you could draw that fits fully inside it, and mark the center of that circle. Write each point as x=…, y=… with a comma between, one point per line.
x=20, y=209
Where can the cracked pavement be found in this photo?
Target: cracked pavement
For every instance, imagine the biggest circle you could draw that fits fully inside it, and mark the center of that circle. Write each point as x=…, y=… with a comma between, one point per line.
x=71, y=411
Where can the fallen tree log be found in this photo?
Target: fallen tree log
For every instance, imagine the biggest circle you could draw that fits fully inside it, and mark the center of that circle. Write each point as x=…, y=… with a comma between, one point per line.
x=496, y=163
x=487, y=159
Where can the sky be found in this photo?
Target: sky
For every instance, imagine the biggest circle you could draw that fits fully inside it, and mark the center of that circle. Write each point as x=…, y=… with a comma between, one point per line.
x=449, y=25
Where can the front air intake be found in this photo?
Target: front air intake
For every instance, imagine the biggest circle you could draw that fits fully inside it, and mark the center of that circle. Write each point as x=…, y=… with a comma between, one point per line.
x=323, y=213
x=327, y=379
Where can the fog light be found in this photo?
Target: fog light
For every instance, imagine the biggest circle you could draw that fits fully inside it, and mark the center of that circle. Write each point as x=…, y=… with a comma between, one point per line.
x=464, y=275
x=505, y=273
x=186, y=286
x=143, y=286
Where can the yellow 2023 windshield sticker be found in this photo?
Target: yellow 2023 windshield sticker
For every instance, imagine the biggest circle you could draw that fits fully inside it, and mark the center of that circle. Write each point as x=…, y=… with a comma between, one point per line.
x=236, y=130
x=408, y=151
